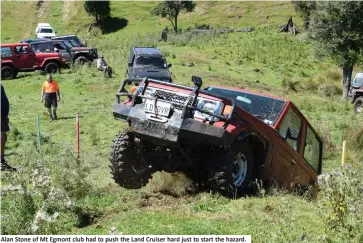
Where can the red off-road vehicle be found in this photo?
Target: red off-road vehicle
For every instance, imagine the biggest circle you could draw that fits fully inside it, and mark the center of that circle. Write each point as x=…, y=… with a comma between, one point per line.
x=222, y=137
x=20, y=57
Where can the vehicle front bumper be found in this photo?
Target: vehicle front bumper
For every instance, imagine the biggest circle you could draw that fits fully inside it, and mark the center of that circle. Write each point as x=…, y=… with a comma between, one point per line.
x=173, y=131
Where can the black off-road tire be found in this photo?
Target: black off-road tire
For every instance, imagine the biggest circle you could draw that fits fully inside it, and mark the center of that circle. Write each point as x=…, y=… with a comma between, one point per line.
x=128, y=168
x=51, y=67
x=358, y=105
x=221, y=168
x=81, y=60
x=8, y=72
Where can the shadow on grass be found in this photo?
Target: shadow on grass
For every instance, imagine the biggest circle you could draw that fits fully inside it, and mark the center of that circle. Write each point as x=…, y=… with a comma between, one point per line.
x=112, y=24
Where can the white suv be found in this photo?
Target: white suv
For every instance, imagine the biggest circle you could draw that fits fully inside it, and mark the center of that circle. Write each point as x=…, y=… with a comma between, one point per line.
x=44, y=30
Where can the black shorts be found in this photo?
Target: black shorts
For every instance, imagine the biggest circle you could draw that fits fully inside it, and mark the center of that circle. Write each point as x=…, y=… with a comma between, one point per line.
x=50, y=100
x=5, y=123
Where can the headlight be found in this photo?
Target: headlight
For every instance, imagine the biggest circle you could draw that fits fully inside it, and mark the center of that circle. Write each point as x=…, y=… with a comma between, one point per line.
x=210, y=106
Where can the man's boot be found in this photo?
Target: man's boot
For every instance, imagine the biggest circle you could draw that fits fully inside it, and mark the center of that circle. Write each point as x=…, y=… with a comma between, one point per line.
x=4, y=165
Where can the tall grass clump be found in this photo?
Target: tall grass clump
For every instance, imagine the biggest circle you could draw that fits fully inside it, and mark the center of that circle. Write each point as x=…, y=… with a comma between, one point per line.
x=43, y=196
x=341, y=205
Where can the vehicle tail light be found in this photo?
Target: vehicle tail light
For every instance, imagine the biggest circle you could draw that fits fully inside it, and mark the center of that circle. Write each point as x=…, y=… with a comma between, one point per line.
x=227, y=110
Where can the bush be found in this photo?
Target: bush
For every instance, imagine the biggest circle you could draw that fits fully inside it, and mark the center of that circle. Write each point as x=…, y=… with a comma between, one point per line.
x=329, y=90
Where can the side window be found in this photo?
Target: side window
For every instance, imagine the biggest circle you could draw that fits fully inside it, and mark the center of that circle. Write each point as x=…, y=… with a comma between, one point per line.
x=43, y=47
x=290, y=128
x=312, y=149
x=21, y=49
x=6, y=52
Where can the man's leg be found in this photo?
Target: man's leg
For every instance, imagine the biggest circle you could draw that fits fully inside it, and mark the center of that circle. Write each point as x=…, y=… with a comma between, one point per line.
x=54, y=112
x=50, y=114
x=4, y=129
x=3, y=142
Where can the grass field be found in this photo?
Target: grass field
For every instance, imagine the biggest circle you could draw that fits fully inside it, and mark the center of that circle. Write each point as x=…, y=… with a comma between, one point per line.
x=82, y=191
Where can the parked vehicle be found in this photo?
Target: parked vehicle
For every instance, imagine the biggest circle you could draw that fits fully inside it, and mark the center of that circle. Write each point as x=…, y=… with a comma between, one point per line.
x=222, y=137
x=44, y=30
x=79, y=55
x=20, y=57
x=33, y=40
x=73, y=40
x=357, y=93
x=148, y=62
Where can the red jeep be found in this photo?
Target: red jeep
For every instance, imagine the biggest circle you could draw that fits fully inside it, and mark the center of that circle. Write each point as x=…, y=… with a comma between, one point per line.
x=20, y=57
x=222, y=137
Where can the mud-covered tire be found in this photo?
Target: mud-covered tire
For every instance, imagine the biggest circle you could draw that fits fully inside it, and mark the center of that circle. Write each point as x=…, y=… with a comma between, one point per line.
x=128, y=168
x=8, y=72
x=358, y=105
x=222, y=174
x=51, y=67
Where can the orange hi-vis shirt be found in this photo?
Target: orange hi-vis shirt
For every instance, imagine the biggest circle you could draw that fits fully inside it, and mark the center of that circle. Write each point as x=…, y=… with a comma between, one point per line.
x=51, y=87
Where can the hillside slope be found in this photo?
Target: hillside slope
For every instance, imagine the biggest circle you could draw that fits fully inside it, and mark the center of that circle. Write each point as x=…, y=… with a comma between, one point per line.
x=263, y=60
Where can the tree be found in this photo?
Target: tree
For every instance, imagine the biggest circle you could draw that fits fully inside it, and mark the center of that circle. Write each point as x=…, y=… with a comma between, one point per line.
x=172, y=9
x=337, y=28
x=98, y=9
x=304, y=9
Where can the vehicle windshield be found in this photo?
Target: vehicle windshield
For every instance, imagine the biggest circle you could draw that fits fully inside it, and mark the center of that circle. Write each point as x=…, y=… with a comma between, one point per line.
x=67, y=44
x=73, y=42
x=265, y=108
x=46, y=30
x=152, y=61
x=358, y=80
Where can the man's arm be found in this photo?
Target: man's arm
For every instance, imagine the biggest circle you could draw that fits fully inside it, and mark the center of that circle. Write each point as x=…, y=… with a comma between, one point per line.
x=41, y=96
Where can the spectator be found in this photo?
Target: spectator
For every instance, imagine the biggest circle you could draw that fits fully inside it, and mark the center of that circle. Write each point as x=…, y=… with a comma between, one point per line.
x=50, y=90
x=5, y=107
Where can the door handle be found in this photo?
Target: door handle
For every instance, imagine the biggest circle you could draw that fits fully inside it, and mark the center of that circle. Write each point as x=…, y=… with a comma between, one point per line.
x=293, y=162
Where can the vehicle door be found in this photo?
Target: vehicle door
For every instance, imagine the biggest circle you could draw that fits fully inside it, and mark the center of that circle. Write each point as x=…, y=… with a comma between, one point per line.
x=24, y=57
x=287, y=170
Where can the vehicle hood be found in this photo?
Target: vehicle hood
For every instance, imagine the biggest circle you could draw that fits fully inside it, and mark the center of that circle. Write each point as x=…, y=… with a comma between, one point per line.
x=82, y=49
x=357, y=85
x=154, y=73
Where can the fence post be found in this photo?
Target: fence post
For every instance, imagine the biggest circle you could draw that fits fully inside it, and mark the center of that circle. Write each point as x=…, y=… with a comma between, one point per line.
x=77, y=135
x=343, y=152
x=38, y=131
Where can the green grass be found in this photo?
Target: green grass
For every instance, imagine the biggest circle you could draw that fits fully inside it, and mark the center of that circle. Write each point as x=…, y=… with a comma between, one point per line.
x=263, y=60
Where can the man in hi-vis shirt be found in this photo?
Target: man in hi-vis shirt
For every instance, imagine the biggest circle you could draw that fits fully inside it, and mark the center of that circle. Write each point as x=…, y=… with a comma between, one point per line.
x=50, y=91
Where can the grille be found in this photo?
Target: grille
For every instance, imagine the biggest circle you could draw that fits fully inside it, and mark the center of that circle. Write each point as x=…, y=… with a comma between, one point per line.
x=172, y=97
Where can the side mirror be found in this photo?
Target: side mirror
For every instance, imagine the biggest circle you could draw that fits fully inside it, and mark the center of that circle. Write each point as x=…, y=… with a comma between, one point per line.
x=292, y=134
x=169, y=65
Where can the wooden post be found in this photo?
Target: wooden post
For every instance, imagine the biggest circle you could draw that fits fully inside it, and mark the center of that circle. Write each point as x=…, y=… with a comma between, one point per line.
x=343, y=152
x=77, y=135
x=38, y=131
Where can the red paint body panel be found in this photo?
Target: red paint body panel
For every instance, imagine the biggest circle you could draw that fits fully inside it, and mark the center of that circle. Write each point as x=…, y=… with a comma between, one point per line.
x=282, y=163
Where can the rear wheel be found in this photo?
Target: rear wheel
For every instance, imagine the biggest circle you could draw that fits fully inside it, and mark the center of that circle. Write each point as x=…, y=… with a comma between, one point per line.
x=358, y=105
x=231, y=171
x=51, y=67
x=128, y=167
x=8, y=72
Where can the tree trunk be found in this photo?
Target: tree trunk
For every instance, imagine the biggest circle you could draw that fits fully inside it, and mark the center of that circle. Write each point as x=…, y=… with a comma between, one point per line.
x=347, y=80
x=176, y=23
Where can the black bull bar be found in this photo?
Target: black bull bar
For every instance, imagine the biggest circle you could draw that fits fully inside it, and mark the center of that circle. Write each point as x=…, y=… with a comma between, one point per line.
x=178, y=126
